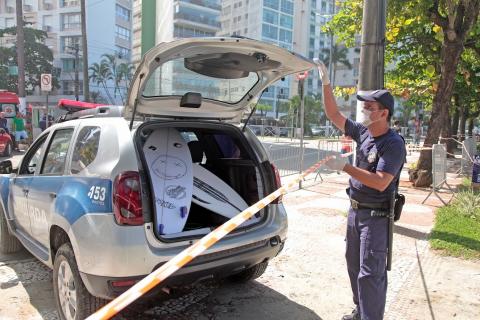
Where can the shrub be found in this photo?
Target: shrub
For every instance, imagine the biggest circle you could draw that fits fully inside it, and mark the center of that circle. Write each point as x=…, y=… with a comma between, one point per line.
x=467, y=203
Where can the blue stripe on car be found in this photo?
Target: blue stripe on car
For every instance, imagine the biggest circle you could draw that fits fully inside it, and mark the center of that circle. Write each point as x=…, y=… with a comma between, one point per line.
x=72, y=195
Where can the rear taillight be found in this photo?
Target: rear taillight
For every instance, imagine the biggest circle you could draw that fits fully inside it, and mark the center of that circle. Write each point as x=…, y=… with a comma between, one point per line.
x=278, y=183
x=127, y=201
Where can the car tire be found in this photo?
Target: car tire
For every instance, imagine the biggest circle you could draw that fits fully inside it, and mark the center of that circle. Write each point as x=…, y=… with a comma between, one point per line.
x=8, y=150
x=8, y=242
x=71, y=297
x=249, y=274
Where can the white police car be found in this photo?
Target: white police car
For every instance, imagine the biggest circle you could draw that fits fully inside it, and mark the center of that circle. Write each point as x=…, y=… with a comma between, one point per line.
x=81, y=198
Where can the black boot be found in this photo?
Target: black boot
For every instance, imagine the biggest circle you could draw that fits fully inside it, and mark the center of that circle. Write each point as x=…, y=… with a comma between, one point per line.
x=354, y=316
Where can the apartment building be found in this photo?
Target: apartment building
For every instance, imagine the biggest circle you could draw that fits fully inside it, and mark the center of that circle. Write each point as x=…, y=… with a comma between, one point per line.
x=109, y=25
x=267, y=20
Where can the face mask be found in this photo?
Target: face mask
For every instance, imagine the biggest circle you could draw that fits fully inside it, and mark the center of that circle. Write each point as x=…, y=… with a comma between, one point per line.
x=364, y=117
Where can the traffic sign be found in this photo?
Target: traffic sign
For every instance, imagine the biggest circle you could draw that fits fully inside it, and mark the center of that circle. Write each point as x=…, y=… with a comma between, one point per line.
x=46, y=81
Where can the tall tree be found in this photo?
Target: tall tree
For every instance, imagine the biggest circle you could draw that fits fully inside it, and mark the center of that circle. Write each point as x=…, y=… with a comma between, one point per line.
x=425, y=43
x=100, y=74
x=111, y=69
x=38, y=60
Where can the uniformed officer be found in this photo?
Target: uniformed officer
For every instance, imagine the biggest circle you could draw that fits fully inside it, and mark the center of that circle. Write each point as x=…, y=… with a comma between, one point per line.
x=380, y=154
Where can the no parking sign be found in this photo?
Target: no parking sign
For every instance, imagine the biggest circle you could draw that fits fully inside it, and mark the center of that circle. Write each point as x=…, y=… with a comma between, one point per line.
x=46, y=82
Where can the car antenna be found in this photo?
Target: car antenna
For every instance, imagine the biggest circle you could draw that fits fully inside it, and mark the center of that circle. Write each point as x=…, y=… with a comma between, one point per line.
x=136, y=101
x=253, y=111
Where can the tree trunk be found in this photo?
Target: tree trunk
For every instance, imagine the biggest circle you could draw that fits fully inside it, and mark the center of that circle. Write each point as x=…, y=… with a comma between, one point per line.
x=108, y=93
x=470, y=126
x=456, y=117
x=463, y=122
x=451, y=51
x=447, y=134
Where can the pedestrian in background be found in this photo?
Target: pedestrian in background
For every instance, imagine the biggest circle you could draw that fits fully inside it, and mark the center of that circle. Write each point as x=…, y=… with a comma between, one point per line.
x=43, y=123
x=19, y=129
x=373, y=180
x=396, y=127
x=3, y=122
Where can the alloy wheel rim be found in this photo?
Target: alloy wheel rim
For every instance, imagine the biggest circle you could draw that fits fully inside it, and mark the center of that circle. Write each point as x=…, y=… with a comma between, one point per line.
x=67, y=293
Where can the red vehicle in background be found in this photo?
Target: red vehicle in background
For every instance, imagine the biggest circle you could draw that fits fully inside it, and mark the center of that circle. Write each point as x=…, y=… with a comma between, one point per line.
x=9, y=103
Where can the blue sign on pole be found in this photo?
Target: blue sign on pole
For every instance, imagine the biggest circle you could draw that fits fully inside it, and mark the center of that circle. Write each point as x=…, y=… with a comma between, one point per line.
x=476, y=169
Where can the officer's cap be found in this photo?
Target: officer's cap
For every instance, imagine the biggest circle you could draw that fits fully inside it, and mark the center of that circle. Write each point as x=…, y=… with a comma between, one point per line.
x=382, y=96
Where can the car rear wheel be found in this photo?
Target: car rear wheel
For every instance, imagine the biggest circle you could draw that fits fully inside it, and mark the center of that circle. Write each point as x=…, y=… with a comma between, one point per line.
x=73, y=300
x=8, y=242
x=249, y=274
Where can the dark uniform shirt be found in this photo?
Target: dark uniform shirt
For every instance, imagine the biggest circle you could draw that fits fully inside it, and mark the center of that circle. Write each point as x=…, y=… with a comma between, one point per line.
x=385, y=153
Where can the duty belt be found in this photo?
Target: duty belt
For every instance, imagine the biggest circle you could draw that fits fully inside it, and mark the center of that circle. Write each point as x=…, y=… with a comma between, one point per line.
x=369, y=205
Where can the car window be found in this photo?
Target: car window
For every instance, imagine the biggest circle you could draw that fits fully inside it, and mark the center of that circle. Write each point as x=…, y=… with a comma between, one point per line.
x=54, y=163
x=86, y=148
x=229, y=90
x=32, y=158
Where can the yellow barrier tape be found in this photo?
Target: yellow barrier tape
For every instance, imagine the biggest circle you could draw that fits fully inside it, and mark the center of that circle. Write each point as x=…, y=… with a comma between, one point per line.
x=194, y=250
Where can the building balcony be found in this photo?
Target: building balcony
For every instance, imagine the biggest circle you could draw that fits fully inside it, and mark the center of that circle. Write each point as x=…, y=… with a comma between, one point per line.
x=205, y=3
x=71, y=26
x=195, y=20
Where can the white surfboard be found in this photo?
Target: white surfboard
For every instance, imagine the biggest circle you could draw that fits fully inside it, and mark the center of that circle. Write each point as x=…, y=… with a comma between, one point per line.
x=212, y=193
x=170, y=165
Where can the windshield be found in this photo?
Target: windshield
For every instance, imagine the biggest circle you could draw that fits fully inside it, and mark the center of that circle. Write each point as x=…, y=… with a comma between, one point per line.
x=173, y=79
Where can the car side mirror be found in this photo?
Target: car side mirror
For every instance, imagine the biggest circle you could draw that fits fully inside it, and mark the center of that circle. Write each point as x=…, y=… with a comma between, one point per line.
x=6, y=167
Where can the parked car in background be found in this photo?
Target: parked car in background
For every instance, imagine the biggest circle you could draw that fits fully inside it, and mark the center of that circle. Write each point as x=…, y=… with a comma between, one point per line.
x=257, y=130
x=283, y=132
x=317, y=131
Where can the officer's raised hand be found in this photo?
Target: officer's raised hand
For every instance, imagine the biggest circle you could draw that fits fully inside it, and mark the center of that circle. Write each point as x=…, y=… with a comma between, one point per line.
x=336, y=163
x=323, y=71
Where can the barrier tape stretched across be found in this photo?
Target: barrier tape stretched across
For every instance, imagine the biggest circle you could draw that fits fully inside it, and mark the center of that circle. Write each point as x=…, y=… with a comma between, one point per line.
x=174, y=264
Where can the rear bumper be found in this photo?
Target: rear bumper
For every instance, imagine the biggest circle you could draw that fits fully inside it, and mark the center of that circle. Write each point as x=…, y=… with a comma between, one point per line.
x=215, y=265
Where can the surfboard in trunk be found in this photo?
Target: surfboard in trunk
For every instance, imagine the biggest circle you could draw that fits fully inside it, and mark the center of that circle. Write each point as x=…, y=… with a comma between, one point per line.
x=199, y=179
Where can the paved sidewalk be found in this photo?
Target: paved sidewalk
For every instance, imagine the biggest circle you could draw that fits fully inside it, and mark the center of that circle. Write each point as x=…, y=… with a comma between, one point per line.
x=422, y=284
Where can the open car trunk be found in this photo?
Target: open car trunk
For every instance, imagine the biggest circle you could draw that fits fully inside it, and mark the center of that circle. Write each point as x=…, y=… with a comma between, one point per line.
x=198, y=175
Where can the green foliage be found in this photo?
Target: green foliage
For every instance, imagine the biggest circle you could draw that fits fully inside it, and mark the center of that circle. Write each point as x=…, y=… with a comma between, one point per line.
x=313, y=112
x=413, y=48
x=467, y=203
x=38, y=60
x=455, y=233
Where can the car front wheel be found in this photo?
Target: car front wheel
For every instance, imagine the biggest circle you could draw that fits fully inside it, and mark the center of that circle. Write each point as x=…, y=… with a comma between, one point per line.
x=8, y=242
x=73, y=300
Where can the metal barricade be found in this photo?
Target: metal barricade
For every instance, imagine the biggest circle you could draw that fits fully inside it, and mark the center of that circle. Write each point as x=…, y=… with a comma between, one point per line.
x=468, y=150
x=439, y=171
x=286, y=155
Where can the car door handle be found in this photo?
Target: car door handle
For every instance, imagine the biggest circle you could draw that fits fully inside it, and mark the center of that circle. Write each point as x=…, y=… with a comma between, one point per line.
x=52, y=195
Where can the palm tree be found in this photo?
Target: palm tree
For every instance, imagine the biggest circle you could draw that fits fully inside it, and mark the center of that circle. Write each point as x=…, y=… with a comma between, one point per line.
x=96, y=97
x=111, y=61
x=100, y=74
x=339, y=56
x=124, y=75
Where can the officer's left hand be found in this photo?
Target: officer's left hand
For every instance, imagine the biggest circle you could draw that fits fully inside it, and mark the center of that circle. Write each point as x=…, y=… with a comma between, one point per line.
x=336, y=163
